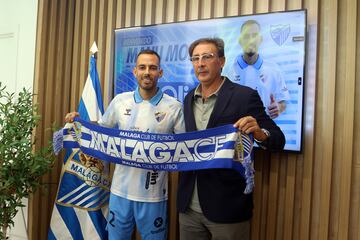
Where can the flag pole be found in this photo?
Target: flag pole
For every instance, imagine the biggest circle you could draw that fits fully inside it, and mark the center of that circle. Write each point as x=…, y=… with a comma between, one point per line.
x=94, y=49
x=78, y=212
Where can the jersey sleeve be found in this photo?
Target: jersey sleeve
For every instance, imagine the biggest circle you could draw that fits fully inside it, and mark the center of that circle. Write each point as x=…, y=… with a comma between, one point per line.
x=109, y=117
x=234, y=72
x=179, y=124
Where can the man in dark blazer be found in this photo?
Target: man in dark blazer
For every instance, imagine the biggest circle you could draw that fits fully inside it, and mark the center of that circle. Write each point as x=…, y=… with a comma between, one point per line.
x=212, y=203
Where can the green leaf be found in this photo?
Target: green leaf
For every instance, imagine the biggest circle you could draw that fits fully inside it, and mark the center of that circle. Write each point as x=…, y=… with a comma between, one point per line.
x=20, y=167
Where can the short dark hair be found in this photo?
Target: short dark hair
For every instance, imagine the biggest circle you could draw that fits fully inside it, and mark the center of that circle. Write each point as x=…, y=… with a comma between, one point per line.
x=218, y=42
x=149, y=51
x=249, y=22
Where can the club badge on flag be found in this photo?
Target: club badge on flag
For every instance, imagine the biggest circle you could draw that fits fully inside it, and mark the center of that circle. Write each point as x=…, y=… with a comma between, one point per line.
x=81, y=205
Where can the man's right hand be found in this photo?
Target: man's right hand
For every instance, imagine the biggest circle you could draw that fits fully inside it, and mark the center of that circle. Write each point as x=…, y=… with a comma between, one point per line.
x=69, y=118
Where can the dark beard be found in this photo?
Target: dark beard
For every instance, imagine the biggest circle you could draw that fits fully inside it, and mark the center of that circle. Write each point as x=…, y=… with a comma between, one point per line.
x=250, y=54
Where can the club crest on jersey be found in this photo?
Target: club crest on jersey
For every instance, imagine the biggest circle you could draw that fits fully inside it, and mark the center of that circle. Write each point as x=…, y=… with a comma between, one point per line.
x=128, y=112
x=159, y=116
x=280, y=33
x=262, y=78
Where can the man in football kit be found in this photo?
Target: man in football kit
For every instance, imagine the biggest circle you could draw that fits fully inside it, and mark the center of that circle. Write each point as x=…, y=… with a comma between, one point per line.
x=250, y=69
x=138, y=196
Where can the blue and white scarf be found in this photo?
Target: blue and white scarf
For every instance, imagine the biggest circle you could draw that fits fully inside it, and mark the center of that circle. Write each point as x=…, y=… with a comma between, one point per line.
x=221, y=147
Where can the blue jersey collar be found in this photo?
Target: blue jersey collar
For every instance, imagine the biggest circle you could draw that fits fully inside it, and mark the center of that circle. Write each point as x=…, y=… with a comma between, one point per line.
x=154, y=100
x=240, y=60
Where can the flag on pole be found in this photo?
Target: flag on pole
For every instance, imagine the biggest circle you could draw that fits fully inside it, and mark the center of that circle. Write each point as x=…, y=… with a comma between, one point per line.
x=81, y=205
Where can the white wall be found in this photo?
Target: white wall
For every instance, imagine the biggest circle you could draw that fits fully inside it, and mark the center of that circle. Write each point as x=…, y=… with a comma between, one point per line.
x=17, y=42
x=17, y=55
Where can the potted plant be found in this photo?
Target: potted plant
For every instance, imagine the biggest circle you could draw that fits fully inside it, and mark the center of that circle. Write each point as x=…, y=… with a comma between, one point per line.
x=20, y=166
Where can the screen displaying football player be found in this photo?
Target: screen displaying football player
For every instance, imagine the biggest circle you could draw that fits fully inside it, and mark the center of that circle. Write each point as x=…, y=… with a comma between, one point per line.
x=250, y=69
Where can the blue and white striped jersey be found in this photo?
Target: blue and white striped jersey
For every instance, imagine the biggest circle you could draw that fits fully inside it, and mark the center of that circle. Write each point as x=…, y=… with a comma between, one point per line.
x=160, y=114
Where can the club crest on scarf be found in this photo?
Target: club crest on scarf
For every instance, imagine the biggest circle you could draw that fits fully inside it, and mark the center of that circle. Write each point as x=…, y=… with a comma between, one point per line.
x=159, y=116
x=76, y=131
x=243, y=147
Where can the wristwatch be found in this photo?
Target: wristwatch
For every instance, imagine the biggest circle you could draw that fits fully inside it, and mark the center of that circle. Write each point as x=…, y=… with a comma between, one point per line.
x=266, y=132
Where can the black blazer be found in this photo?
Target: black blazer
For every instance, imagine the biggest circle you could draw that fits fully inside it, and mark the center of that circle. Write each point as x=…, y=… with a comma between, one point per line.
x=221, y=190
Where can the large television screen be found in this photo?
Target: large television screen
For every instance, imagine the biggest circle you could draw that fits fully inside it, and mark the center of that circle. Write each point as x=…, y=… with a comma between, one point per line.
x=265, y=52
